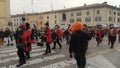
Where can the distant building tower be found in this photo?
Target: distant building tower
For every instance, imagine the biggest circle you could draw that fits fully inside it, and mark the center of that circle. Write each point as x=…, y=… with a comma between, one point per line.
x=5, y=17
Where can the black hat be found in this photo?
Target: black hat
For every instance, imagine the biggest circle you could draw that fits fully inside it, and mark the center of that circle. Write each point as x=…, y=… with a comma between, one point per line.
x=47, y=24
x=27, y=25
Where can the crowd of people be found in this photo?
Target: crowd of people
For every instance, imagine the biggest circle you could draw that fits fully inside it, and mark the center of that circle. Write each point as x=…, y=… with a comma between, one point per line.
x=6, y=37
x=77, y=37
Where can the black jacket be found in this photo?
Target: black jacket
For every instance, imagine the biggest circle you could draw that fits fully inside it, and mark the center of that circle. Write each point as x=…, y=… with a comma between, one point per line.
x=54, y=36
x=1, y=34
x=7, y=33
x=78, y=42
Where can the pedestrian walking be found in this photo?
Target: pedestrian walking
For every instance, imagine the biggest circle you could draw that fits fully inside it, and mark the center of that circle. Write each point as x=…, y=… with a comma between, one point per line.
x=78, y=44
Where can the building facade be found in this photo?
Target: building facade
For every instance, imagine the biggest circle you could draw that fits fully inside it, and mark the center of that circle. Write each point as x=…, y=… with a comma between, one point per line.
x=31, y=18
x=5, y=17
x=99, y=13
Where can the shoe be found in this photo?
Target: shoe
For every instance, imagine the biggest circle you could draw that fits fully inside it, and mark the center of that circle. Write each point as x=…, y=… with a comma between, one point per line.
x=49, y=52
x=53, y=48
x=27, y=57
x=11, y=44
x=20, y=64
x=60, y=48
x=45, y=53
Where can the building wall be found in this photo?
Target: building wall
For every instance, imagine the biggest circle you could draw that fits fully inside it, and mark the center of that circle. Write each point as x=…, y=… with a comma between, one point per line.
x=4, y=13
x=89, y=16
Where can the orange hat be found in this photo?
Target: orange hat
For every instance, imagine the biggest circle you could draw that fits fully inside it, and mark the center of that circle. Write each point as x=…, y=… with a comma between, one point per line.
x=77, y=26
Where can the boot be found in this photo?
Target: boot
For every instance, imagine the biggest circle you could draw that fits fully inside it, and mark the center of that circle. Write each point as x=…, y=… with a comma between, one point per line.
x=20, y=64
x=111, y=46
x=45, y=53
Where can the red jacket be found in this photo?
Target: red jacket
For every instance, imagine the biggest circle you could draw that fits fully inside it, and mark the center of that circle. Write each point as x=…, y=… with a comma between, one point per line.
x=59, y=33
x=26, y=38
x=48, y=35
x=98, y=33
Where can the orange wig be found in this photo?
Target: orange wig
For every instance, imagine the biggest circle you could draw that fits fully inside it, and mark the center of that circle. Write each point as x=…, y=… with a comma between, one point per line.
x=77, y=26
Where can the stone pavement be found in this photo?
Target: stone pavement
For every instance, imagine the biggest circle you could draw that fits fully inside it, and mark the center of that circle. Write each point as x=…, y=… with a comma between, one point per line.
x=97, y=57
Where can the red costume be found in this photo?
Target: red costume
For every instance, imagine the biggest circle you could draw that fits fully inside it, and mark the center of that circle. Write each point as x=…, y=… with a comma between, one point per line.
x=48, y=36
x=26, y=38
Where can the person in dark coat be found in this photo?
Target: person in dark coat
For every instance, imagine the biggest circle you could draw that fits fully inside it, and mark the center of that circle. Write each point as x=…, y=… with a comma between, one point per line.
x=7, y=35
x=78, y=44
x=34, y=33
x=20, y=45
x=57, y=34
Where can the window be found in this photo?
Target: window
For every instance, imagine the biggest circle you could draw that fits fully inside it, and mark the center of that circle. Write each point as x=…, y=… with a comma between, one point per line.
x=14, y=19
x=20, y=20
x=72, y=15
x=98, y=12
x=118, y=19
x=71, y=20
x=114, y=13
x=9, y=23
x=110, y=19
x=110, y=12
x=55, y=16
x=87, y=13
x=87, y=19
x=79, y=14
x=114, y=20
x=118, y=14
x=64, y=17
x=55, y=22
x=79, y=20
x=14, y=24
x=98, y=18
x=47, y=17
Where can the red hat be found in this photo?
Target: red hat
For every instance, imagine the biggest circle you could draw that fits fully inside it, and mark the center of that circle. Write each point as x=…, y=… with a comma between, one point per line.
x=23, y=26
x=77, y=26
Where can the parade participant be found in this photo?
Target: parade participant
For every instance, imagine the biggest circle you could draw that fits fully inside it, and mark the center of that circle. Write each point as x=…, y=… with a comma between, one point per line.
x=78, y=44
x=48, y=38
x=98, y=34
x=67, y=33
x=58, y=38
x=20, y=45
x=108, y=34
x=34, y=33
x=113, y=35
x=87, y=30
x=119, y=34
x=27, y=33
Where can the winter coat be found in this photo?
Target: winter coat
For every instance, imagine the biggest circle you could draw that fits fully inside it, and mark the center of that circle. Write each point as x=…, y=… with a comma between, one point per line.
x=78, y=42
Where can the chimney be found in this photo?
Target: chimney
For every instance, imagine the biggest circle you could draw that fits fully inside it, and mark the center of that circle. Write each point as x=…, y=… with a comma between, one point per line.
x=85, y=5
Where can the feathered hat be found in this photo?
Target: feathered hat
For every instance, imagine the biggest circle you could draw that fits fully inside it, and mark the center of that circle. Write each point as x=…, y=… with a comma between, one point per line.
x=77, y=26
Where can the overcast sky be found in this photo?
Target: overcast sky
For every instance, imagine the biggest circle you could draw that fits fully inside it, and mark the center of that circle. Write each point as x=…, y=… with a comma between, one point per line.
x=20, y=6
